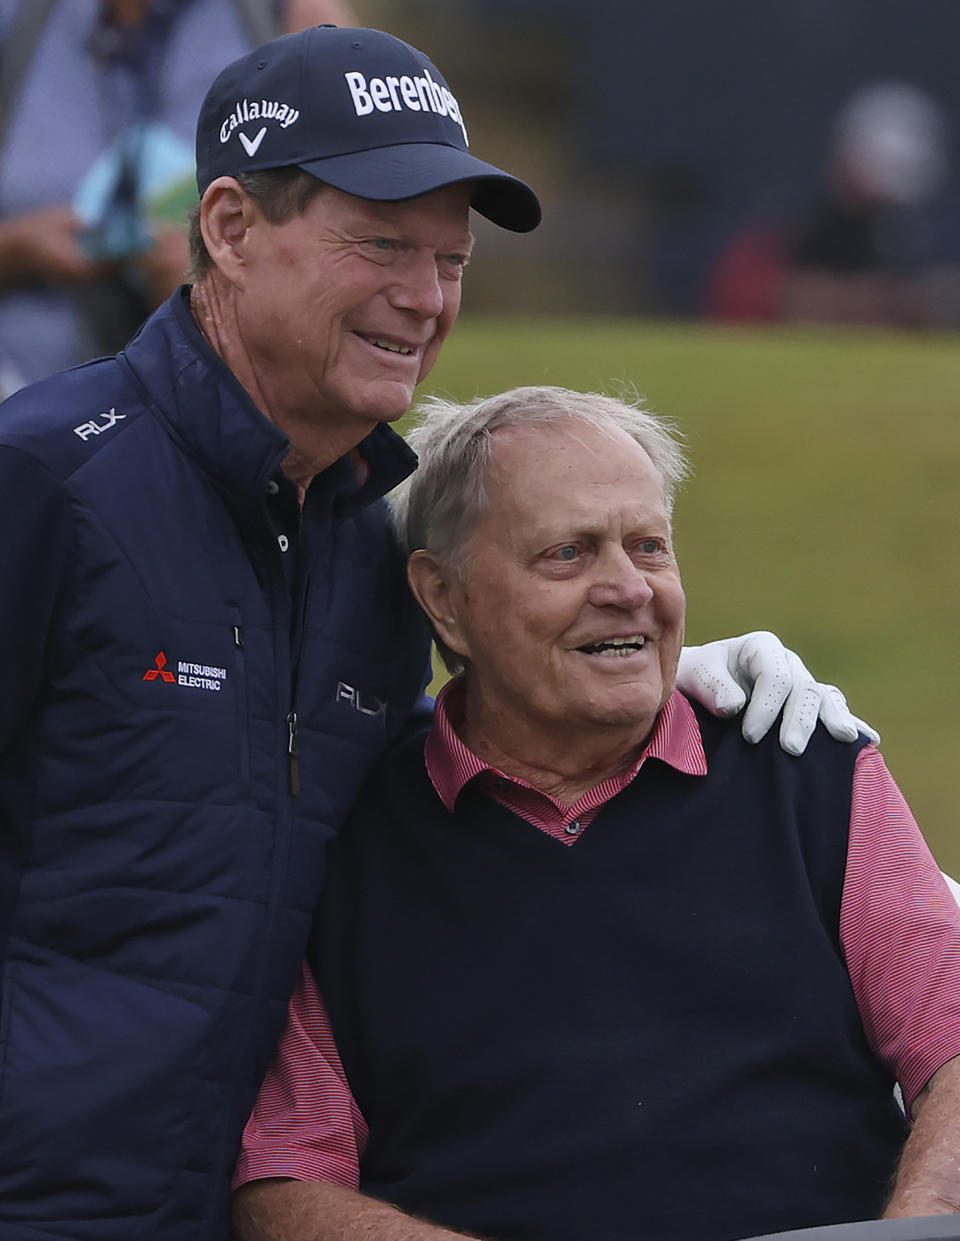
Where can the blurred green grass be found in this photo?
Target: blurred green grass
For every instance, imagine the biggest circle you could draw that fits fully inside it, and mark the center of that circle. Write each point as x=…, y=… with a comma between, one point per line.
x=824, y=504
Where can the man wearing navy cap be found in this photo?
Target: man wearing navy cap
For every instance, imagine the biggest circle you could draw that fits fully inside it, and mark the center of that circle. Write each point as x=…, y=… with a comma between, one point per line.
x=207, y=631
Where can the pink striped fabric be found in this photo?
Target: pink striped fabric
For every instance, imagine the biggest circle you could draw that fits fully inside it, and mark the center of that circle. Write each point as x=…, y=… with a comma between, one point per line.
x=900, y=931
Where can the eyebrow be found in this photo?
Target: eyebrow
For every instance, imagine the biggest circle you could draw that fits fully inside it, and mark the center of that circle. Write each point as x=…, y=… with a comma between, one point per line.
x=375, y=215
x=574, y=526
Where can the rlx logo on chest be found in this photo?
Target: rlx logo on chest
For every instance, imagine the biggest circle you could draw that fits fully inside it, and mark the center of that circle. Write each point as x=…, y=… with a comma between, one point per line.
x=370, y=706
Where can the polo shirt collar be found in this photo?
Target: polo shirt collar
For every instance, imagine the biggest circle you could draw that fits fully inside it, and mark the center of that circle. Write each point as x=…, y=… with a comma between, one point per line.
x=451, y=765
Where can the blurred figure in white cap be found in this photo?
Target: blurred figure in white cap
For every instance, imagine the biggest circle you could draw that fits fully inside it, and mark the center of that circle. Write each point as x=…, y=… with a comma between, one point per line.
x=869, y=252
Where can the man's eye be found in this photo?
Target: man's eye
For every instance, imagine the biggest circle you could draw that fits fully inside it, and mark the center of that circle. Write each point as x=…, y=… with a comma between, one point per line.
x=569, y=552
x=383, y=243
x=452, y=266
x=650, y=547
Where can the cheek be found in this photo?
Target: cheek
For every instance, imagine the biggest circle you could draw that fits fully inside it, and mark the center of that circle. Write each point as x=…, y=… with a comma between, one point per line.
x=539, y=640
x=674, y=616
x=499, y=635
x=671, y=600
x=448, y=317
x=678, y=608
x=681, y=610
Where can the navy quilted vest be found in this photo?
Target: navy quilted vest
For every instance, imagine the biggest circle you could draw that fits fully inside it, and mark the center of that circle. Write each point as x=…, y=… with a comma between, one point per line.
x=157, y=876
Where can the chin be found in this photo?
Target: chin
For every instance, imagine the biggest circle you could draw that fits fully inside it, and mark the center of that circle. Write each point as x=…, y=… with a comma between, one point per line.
x=638, y=713
x=390, y=406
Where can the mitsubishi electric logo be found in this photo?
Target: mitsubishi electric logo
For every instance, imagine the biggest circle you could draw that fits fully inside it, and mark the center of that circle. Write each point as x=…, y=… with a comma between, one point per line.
x=247, y=110
x=194, y=676
x=394, y=94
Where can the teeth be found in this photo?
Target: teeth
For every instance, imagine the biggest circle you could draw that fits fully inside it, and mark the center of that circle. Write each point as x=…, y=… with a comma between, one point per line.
x=406, y=350
x=616, y=647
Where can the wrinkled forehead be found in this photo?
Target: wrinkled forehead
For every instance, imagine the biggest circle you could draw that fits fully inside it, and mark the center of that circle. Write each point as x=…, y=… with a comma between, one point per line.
x=552, y=482
x=569, y=455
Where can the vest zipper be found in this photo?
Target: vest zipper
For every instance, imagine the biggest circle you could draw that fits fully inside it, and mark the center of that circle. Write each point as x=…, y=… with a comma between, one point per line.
x=293, y=750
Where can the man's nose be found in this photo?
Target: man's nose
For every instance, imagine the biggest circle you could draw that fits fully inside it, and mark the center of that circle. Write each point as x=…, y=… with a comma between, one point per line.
x=620, y=582
x=418, y=287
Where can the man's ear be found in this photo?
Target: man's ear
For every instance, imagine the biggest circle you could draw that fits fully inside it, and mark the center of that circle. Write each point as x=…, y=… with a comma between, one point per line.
x=226, y=214
x=440, y=595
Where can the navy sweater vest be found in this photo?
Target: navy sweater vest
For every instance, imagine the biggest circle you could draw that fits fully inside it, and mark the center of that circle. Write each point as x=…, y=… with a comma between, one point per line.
x=649, y=1034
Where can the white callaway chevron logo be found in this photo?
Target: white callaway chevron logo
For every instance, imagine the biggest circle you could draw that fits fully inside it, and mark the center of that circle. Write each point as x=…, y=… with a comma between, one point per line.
x=246, y=110
x=251, y=148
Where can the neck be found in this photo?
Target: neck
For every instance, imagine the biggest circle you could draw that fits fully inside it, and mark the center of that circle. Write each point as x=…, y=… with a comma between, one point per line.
x=563, y=764
x=314, y=445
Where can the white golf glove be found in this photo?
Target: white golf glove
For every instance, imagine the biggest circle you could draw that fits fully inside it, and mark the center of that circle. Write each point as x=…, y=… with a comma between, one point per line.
x=724, y=675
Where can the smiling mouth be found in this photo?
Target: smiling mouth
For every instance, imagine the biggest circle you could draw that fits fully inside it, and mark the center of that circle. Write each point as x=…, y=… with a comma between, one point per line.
x=390, y=346
x=615, y=647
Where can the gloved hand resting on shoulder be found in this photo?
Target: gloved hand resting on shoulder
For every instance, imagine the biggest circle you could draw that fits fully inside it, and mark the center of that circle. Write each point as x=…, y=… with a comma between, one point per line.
x=757, y=671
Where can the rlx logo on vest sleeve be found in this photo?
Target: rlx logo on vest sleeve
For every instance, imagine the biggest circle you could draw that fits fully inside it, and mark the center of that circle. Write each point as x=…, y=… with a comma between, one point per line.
x=371, y=706
x=109, y=418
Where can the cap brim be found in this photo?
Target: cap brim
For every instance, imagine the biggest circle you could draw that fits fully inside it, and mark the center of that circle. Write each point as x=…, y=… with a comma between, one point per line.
x=396, y=173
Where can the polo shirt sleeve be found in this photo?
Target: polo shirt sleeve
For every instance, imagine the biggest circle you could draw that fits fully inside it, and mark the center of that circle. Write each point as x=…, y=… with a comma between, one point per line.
x=305, y=1124
x=35, y=557
x=900, y=932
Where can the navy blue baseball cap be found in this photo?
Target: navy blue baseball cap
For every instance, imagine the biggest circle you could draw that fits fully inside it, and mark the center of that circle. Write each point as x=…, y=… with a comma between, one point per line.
x=358, y=109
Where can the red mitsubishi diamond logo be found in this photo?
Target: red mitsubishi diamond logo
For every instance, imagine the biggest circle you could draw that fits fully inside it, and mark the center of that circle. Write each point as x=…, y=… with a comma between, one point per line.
x=160, y=671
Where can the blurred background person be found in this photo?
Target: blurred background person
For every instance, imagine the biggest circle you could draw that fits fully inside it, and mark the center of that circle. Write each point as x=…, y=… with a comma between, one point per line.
x=98, y=103
x=872, y=248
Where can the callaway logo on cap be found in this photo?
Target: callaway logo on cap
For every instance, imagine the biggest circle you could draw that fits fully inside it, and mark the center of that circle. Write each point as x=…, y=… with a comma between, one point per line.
x=358, y=109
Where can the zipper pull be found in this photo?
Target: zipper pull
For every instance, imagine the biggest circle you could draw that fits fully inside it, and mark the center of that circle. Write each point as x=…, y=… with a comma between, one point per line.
x=238, y=637
x=293, y=749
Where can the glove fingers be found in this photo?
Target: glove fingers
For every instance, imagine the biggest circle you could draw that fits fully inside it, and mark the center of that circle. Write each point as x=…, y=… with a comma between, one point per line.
x=800, y=716
x=835, y=714
x=838, y=719
x=867, y=729
x=703, y=674
x=767, y=662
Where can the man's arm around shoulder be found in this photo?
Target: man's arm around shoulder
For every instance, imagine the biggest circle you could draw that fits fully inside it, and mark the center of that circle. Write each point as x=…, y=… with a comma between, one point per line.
x=287, y=1210
x=928, y=1179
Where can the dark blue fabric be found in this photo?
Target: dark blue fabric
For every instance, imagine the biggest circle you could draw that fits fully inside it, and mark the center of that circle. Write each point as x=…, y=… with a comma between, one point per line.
x=157, y=877
x=649, y=1034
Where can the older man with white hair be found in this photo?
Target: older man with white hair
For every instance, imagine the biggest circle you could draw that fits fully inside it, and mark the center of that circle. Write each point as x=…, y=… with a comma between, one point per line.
x=590, y=964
